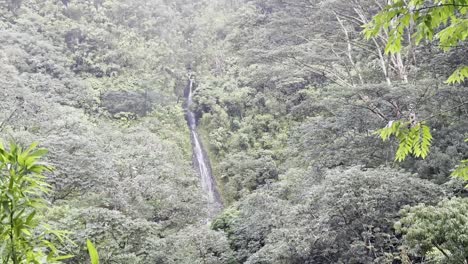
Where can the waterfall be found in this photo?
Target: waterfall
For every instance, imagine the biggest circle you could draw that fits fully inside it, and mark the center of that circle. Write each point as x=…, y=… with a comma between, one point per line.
x=201, y=161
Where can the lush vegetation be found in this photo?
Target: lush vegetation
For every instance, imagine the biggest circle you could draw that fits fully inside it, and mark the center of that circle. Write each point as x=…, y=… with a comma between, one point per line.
x=290, y=97
x=22, y=202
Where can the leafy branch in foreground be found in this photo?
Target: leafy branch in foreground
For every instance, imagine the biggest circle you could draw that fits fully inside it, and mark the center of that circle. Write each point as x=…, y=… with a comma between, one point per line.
x=462, y=169
x=441, y=20
x=22, y=189
x=413, y=139
x=93, y=254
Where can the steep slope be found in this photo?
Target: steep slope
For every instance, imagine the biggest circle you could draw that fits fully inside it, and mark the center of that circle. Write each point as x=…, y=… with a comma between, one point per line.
x=97, y=83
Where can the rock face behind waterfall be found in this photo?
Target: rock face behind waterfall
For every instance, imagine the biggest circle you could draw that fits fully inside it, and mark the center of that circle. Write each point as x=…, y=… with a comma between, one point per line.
x=200, y=158
x=138, y=103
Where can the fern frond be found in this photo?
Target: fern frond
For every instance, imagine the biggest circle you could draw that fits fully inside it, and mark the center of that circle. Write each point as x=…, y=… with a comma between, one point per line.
x=426, y=140
x=413, y=140
x=461, y=171
x=404, y=148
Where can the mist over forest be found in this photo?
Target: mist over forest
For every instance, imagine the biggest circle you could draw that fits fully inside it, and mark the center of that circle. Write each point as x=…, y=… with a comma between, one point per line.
x=233, y=131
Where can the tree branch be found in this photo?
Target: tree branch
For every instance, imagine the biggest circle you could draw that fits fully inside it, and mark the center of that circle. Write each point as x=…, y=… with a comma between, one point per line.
x=445, y=111
x=7, y=119
x=441, y=250
x=436, y=6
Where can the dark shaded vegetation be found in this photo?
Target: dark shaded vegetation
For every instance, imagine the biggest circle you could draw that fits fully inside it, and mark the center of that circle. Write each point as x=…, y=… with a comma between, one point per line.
x=135, y=103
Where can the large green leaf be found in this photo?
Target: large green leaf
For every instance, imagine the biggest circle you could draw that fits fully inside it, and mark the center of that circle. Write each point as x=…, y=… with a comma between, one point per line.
x=93, y=254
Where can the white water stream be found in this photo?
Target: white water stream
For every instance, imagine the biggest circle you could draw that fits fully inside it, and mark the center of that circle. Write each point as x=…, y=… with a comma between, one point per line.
x=201, y=162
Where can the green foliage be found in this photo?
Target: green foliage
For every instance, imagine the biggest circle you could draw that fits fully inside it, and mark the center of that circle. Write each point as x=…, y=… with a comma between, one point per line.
x=287, y=95
x=459, y=75
x=441, y=20
x=461, y=171
x=438, y=232
x=225, y=219
x=413, y=139
x=193, y=245
x=119, y=238
x=22, y=202
x=243, y=173
x=339, y=216
x=113, y=182
x=93, y=254
x=249, y=222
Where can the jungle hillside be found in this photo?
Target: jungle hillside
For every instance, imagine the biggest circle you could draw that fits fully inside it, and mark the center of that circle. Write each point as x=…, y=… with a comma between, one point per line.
x=233, y=131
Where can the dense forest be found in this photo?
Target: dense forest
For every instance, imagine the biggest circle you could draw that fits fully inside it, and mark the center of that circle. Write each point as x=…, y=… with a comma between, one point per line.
x=282, y=105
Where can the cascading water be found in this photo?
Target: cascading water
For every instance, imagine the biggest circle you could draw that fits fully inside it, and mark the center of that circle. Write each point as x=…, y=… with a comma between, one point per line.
x=201, y=162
